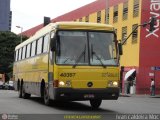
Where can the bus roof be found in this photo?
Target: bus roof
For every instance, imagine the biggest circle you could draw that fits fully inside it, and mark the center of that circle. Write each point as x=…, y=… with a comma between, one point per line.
x=66, y=25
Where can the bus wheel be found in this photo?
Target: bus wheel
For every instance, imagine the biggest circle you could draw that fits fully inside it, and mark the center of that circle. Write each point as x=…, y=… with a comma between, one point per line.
x=95, y=103
x=46, y=97
x=18, y=85
x=24, y=94
x=20, y=92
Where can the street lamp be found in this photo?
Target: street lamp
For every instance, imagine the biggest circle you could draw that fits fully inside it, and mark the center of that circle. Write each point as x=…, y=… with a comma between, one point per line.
x=21, y=31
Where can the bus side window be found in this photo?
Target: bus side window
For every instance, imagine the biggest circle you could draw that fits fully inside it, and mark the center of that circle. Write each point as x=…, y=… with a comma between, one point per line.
x=45, y=43
x=16, y=57
x=20, y=54
x=33, y=49
x=28, y=50
x=24, y=52
x=39, y=46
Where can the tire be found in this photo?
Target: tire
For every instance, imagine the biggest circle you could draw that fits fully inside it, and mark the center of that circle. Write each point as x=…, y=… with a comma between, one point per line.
x=18, y=85
x=20, y=92
x=46, y=97
x=95, y=103
x=24, y=94
x=42, y=89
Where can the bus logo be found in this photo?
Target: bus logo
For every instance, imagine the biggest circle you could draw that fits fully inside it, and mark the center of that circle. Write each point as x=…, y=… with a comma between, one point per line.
x=89, y=84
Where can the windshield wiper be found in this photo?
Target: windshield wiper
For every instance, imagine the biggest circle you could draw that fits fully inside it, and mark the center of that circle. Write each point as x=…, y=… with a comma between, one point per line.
x=94, y=53
x=80, y=56
x=66, y=60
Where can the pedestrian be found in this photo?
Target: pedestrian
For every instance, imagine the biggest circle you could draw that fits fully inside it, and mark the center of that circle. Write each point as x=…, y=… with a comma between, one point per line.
x=128, y=87
x=152, y=87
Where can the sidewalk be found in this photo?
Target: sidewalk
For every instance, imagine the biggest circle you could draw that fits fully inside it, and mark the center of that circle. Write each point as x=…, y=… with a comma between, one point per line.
x=135, y=95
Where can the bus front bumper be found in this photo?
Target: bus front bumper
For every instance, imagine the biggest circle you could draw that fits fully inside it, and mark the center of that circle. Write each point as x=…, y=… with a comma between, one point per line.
x=86, y=94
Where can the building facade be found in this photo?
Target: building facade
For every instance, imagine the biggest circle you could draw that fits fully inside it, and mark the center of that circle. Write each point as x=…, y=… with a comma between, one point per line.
x=5, y=15
x=141, y=51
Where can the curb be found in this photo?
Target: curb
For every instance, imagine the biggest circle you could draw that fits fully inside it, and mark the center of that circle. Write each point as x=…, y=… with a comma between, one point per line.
x=124, y=95
x=128, y=95
x=156, y=96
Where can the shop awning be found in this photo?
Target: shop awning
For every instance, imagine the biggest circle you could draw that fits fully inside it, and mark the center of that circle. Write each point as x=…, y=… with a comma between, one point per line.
x=130, y=73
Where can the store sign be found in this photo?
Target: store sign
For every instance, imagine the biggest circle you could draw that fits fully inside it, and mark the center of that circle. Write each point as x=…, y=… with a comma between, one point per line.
x=152, y=68
x=151, y=74
x=157, y=68
x=154, y=11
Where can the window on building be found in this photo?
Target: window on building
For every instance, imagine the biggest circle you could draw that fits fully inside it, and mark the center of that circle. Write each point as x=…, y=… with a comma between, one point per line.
x=136, y=8
x=87, y=18
x=107, y=17
x=99, y=17
x=39, y=46
x=24, y=52
x=20, y=54
x=125, y=10
x=124, y=33
x=33, y=49
x=115, y=14
x=28, y=51
x=45, y=43
x=135, y=33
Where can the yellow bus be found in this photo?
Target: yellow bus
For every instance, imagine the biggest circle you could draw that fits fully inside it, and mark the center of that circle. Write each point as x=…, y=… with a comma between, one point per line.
x=69, y=61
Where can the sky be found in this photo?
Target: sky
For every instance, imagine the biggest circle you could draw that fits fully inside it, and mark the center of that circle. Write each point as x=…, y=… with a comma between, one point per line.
x=29, y=13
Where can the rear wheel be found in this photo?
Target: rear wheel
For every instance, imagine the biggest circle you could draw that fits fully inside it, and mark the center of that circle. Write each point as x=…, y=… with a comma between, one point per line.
x=20, y=91
x=18, y=85
x=95, y=103
x=24, y=94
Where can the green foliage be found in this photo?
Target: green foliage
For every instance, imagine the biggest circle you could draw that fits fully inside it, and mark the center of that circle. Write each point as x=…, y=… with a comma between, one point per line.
x=8, y=42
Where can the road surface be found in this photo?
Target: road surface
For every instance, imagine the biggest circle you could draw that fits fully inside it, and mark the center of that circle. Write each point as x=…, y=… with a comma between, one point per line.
x=11, y=104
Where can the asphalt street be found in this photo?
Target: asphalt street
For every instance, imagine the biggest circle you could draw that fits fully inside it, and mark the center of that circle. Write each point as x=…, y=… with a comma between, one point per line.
x=10, y=103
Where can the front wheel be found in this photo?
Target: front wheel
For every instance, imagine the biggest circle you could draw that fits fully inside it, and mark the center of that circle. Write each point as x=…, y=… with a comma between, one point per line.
x=95, y=103
x=46, y=97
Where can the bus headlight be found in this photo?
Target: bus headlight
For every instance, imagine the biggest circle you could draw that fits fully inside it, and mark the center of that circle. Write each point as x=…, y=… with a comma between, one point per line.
x=115, y=84
x=61, y=83
x=112, y=84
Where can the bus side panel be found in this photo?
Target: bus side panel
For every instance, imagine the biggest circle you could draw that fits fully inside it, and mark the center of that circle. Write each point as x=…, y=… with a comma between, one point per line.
x=32, y=71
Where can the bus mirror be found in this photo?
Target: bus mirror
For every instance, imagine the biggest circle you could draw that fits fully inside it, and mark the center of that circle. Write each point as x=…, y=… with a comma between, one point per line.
x=120, y=49
x=53, y=43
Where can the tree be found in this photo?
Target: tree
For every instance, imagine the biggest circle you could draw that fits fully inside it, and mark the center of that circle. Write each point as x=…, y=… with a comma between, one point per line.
x=8, y=42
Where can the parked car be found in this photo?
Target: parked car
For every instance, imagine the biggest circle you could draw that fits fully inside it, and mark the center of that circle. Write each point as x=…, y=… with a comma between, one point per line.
x=11, y=85
x=8, y=85
x=1, y=85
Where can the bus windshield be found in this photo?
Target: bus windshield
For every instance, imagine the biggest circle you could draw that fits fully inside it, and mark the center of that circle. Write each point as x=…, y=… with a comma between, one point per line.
x=85, y=48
